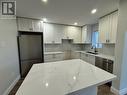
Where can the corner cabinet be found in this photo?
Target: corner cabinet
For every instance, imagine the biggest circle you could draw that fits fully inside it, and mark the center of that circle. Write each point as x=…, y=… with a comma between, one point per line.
x=108, y=28
x=32, y=25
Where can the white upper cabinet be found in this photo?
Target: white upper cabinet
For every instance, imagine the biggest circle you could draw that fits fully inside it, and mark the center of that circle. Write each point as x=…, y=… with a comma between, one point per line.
x=108, y=28
x=86, y=34
x=103, y=30
x=74, y=33
x=26, y=24
x=37, y=25
x=114, y=20
x=54, y=33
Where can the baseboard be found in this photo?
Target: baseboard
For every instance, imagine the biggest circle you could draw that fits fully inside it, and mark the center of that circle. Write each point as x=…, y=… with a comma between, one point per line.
x=11, y=86
x=119, y=92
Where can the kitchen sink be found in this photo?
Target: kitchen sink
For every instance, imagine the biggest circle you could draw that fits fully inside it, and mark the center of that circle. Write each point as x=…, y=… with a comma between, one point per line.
x=92, y=52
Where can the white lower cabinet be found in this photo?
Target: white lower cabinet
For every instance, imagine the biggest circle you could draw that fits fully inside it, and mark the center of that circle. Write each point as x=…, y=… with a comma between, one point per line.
x=88, y=58
x=74, y=55
x=92, y=59
x=85, y=57
x=53, y=57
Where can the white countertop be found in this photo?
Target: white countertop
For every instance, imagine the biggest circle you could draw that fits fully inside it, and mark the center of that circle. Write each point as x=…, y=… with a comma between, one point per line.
x=59, y=52
x=62, y=77
x=99, y=55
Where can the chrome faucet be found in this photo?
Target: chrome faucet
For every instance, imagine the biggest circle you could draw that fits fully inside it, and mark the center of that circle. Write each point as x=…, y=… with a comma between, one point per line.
x=94, y=47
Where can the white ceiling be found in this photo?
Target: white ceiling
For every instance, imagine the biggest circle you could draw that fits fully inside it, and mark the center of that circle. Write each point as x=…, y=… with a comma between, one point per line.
x=66, y=11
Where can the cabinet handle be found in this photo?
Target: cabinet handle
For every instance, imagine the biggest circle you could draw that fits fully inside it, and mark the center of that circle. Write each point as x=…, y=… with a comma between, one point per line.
x=107, y=41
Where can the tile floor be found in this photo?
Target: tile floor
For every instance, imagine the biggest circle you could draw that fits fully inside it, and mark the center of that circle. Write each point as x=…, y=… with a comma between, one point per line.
x=102, y=90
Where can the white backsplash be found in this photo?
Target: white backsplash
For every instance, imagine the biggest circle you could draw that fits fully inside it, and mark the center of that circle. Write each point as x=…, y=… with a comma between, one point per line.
x=107, y=49
x=61, y=47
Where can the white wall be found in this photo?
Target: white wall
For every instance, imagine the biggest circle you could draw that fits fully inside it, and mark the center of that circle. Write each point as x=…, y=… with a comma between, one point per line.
x=9, y=65
x=120, y=66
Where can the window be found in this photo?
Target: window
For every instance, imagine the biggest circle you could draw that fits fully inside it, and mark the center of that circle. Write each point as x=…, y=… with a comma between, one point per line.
x=95, y=40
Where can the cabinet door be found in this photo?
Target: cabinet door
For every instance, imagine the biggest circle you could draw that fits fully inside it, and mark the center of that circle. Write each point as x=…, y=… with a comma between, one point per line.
x=58, y=33
x=92, y=59
x=108, y=28
x=53, y=33
x=25, y=24
x=48, y=33
x=114, y=23
x=37, y=25
x=103, y=24
x=86, y=34
x=85, y=57
x=74, y=33
x=48, y=58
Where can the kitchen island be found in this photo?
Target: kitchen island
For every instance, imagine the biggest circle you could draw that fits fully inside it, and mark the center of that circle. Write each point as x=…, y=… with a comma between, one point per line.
x=70, y=77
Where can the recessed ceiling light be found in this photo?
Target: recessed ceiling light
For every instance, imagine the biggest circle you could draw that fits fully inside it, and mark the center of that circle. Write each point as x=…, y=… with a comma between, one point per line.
x=75, y=23
x=94, y=11
x=46, y=84
x=44, y=20
x=74, y=77
x=45, y=1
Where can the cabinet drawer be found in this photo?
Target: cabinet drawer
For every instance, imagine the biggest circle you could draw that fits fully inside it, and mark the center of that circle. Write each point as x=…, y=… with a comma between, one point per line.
x=53, y=57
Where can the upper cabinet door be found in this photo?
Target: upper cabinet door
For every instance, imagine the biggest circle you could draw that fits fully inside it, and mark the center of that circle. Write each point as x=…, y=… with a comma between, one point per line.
x=114, y=27
x=102, y=30
x=74, y=33
x=58, y=33
x=24, y=24
x=48, y=33
x=37, y=25
x=53, y=33
x=86, y=34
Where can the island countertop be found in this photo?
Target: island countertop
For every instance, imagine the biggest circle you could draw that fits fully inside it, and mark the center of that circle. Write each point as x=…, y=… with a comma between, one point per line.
x=62, y=77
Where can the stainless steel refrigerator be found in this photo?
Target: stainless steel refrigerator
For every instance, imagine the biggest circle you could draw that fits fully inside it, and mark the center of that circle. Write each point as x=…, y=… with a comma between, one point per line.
x=30, y=47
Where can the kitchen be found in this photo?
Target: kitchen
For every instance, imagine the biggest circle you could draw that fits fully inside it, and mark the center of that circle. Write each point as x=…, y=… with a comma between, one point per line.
x=94, y=39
